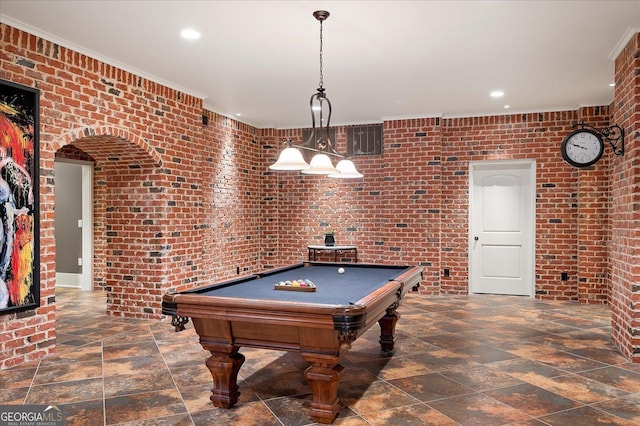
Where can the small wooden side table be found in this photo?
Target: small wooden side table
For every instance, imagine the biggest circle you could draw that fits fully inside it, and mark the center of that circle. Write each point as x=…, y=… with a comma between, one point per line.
x=314, y=249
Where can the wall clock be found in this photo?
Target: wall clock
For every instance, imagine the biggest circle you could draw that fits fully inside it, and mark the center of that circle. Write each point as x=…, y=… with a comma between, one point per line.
x=582, y=147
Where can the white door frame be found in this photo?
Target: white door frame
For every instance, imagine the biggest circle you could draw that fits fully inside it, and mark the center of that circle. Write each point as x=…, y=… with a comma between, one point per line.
x=86, y=279
x=500, y=165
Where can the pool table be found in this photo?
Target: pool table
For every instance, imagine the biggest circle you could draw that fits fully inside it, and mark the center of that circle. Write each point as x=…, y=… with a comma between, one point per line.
x=321, y=324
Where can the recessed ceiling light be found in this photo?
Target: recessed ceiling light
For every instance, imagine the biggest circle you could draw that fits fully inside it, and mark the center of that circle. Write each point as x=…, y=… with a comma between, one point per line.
x=497, y=94
x=190, y=34
x=612, y=85
x=238, y=114
x=507, y=106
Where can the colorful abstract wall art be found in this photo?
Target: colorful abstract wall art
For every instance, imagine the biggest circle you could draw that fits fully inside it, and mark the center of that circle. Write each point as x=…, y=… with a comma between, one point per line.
x=19, y=206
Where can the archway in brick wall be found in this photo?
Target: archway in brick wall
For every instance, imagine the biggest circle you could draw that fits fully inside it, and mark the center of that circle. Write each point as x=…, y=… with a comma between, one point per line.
x=129, y=218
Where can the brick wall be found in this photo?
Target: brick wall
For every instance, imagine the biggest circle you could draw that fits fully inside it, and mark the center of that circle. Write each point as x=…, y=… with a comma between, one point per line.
x=593, y=223
x=391, y=213
x=229, y=195
x=509, y=137
x=179, y=203
x=624, y=176
x=412, y=204
x=175, y=202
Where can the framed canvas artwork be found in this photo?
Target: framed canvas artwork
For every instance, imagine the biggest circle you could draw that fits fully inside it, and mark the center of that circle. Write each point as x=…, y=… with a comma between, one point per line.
x=19, y=206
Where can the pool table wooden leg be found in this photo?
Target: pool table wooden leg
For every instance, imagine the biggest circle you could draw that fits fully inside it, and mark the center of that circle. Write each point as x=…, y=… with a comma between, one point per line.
x=388, y=330
x=324, y=377
x=224, y=367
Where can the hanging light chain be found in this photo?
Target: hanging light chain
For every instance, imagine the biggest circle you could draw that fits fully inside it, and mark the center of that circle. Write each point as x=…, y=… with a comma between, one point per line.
x=321, y=76
x=321, y=15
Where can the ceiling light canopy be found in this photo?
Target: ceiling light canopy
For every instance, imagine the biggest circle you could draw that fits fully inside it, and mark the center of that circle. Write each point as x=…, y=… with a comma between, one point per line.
x=319, y=141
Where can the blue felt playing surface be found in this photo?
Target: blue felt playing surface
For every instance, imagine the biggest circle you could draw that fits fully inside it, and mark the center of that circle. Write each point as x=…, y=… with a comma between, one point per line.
x=332, y=288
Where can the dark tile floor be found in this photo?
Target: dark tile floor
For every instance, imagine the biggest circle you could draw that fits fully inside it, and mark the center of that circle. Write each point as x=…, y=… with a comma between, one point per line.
x=463, y=360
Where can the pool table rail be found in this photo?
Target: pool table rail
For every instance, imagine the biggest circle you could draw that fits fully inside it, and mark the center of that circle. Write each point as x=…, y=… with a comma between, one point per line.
x=256, y=310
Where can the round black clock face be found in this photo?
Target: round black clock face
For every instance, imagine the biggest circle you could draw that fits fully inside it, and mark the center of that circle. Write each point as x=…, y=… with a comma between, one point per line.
x=582, y=148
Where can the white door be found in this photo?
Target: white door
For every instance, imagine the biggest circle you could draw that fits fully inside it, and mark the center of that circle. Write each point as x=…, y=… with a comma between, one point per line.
x=73, y=219
x=502, y=227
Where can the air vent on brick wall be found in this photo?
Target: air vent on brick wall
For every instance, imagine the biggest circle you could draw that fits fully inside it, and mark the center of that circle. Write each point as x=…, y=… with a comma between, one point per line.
x=364, y=140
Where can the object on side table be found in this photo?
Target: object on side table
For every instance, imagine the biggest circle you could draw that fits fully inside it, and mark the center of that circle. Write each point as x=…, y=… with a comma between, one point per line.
x=329, y=239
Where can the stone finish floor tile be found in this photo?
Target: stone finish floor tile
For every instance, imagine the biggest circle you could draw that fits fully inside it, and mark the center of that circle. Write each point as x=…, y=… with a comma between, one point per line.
x=176, y=420
x=525, y=369
x=478, y=409
x=91, y=352
x=616, y=377
x=627, y=407
x=585, y=416
x=140, y=406
x=130, y=350
x=377, y=396
x=295, y=410
x=65, y=392
x=16, y=378
x=249, y=414
x=417, y=414
x=13, y=396
x=480, y=377
x=459, y=360
x=113, y=367
x=83, y=413
x=430, y=387
x=582, y=389
x=269, y=385
x=532, y=400
x=603, y=352
x=484, y=353
x=137, y=382
x=393, y=368
x=69, y=372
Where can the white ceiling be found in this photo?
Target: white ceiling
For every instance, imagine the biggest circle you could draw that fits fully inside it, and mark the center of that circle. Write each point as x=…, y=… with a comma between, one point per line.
x=382, y=59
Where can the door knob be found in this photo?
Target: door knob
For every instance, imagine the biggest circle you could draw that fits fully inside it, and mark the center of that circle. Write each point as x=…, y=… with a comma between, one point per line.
x=475, y=238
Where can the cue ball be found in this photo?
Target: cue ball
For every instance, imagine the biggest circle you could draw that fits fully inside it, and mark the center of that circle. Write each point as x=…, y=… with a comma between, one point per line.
x=341, y=270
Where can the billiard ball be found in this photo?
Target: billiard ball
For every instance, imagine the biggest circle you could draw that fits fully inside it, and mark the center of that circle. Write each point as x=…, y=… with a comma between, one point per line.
x=341, y=270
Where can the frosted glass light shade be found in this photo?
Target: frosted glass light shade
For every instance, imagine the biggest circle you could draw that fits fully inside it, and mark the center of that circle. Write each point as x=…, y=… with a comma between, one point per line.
x=290, y=159
x=320, y=165
x=347, y=170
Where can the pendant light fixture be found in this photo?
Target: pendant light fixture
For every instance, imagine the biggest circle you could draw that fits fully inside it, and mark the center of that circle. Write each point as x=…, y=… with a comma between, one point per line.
x=319, y=141
x=290, y=159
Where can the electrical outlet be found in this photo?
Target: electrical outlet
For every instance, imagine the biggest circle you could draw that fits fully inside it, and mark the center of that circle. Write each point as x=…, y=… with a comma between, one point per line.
x=564, y=276
x=79, y=261
x=446, y=272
